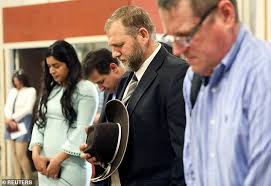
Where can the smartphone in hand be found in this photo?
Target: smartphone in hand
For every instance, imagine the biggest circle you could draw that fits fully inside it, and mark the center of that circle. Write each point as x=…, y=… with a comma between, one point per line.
x=59, y=172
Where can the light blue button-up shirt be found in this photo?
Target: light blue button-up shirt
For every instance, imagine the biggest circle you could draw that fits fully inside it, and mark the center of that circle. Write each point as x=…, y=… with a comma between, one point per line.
x=228, y=134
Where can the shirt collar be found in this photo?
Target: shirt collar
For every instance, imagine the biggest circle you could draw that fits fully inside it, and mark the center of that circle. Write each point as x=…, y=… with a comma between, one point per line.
x=229, y=58
x=146, y=63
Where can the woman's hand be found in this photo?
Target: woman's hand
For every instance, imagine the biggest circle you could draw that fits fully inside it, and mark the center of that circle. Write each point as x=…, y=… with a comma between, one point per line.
x=41, y=163
x=8, y=120
x=55, y=164
x=54, y=167
x=13, y=125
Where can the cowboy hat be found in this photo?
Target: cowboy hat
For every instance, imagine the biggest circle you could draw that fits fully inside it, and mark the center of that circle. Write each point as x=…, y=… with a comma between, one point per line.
x=108, y=141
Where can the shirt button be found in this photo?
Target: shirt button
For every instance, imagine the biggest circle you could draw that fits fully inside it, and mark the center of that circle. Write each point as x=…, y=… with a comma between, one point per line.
x=212, y=122
x=213, y=90
x=212, y=155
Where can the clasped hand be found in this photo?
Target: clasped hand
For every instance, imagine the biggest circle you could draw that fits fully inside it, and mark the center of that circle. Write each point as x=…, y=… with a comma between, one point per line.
x=11, y=122
x=46, y=166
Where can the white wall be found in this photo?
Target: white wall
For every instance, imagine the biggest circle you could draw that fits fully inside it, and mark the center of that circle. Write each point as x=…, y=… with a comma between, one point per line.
x=256, y=15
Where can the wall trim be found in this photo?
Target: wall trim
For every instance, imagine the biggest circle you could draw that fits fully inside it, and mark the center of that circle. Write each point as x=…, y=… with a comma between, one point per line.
x=46, y=43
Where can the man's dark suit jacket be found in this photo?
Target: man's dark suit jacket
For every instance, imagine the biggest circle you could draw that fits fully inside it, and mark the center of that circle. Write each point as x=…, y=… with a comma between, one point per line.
x=157, y=124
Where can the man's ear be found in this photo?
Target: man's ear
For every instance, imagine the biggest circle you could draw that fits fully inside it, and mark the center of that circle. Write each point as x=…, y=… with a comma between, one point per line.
x=113, y=67
x=227, y=11
x=143, y=35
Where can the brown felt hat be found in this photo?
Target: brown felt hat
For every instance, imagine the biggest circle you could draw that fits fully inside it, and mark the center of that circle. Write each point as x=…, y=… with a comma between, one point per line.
x=108, y=141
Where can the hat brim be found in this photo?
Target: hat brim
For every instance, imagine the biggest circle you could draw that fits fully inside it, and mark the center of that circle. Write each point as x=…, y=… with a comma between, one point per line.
x=116, y=112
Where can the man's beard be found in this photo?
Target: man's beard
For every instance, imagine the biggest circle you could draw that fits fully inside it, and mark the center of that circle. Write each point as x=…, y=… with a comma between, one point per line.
x=136, y=59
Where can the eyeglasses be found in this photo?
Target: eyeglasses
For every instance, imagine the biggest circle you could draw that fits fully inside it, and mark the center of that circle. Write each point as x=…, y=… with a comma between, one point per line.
x=185, y=41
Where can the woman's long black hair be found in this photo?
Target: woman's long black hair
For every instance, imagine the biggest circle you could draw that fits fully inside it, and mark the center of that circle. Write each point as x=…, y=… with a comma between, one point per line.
x=63, y=52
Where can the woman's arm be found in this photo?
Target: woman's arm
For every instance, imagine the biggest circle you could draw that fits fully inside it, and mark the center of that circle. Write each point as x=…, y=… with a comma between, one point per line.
x=40, y=162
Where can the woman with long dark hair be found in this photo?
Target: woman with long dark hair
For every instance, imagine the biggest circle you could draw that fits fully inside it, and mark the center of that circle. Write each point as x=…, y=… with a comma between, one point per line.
x=67, y=105
x=18, y=116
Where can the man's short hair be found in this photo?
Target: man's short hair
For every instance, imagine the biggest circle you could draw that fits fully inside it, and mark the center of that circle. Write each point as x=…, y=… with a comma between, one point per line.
x=99, y=60
x=133, y=18
x=199, y=7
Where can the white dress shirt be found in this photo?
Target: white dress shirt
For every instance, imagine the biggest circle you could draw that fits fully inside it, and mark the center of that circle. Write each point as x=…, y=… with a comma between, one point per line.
x=144, y=67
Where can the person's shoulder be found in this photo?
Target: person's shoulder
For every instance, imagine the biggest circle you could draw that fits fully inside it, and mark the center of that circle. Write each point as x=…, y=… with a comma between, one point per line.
x=171, y=60
x=253, y=57
x=13, y=90
x=254, y=50
x=86, y=87
x=176, y=60
x=176, y=64
x=30, y=89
